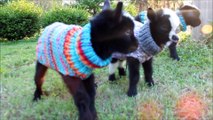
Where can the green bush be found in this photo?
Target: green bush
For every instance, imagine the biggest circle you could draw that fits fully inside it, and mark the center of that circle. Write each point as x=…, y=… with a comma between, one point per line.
x=2, y=2
x=132, y=9
x=184, y=36
x=66, y=15
x=19, y=19
x=92, y=6
x=129, y=7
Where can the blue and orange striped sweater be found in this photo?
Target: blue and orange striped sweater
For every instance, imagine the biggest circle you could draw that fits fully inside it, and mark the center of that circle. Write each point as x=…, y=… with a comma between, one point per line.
x=68, y=50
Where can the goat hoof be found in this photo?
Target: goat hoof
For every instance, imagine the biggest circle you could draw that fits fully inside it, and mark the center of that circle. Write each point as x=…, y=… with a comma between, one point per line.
x=132, y=93
x=37, y=95
x=122, y=72
x=36, y=98
x=175, y=58
x=112, y=77
x=150, y=83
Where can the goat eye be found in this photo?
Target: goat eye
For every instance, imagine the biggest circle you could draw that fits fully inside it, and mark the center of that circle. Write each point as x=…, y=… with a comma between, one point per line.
x=128, y=32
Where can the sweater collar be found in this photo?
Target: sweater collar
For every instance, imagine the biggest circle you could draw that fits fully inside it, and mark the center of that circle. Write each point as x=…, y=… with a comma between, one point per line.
x=143, y=16
x=86, y=52
x=183, y=25
x=146, y=40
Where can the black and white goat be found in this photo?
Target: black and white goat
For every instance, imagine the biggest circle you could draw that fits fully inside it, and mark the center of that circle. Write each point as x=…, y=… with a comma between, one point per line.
x=188, y=14
x=158, y=31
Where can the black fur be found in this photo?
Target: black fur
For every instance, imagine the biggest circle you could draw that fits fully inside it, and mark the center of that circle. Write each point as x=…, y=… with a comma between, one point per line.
x=109, y=33
x=173, y=52
x=107, y=26
x=134, y=75
x=121, y=71
x=160, y=28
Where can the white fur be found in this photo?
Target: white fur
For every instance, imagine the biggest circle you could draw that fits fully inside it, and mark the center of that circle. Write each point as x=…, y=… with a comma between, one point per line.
x=192, y=6
x=113, y=67
x=126, y=14
x=168, y=43
x=174, y=21
x=121, y=64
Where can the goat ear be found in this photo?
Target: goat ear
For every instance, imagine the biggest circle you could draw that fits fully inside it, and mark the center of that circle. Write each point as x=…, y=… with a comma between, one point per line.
x=151, y=14
x=181, y=6
x=106, y=5
x=118, y=11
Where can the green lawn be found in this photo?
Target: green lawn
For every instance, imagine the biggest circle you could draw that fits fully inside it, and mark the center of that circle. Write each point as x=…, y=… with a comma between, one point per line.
x=172, y=78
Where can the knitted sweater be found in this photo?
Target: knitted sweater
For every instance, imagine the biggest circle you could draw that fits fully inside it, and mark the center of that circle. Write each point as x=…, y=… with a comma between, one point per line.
x=147, y=47
x=68, y=50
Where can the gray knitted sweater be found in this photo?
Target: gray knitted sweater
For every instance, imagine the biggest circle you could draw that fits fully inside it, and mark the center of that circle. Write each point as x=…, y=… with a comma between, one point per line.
x=147, y=47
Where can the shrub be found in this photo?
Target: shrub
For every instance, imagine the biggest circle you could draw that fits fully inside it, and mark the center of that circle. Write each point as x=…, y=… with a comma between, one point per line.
x=66, y=15
x=132, y=9
x=184, y=36
x=2, y=2
x=92, y=6
x=19, y=19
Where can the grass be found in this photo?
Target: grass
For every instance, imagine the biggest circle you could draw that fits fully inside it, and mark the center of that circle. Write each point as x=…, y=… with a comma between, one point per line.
x=172, y=78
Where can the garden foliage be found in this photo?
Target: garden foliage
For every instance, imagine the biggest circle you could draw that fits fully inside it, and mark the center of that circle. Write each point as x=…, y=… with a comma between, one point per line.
x=66, y=15
x=131, y=9
x=92, y=6
x=19, y=19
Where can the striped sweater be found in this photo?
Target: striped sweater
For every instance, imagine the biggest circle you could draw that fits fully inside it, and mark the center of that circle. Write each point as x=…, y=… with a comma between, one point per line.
x=68, y=50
